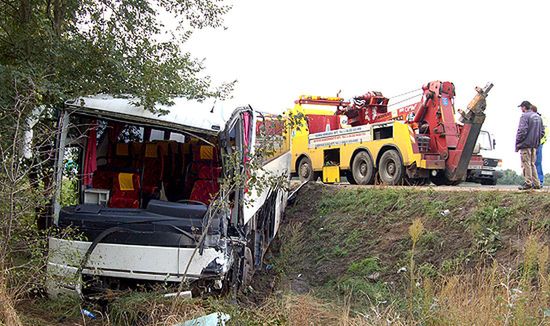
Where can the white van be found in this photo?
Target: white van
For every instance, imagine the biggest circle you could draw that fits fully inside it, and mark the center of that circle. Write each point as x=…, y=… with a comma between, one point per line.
x=149, y=194
x=491, y=170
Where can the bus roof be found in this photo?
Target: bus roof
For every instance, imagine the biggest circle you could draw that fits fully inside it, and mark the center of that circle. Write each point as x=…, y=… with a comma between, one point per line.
x=209, y=116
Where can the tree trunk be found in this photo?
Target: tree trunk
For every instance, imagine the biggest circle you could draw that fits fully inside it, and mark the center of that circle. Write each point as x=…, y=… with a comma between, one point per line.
x=59, y=9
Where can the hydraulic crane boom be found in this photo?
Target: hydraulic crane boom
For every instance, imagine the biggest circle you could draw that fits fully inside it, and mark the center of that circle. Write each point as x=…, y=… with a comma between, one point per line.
x=435, y=117
x=472, y=119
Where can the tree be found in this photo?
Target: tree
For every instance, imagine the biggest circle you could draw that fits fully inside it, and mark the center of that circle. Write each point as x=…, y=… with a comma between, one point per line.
x=510, y=177
x=54, y=50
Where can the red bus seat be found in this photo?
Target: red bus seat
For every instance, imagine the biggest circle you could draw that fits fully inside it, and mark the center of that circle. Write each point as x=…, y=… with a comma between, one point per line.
x=153, y=166
x=122, y=157
x=207, y=171
x=102, y=179
x=125, y=193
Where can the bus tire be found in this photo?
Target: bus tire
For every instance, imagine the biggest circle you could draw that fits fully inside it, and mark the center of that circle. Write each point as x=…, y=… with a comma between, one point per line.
x=362, y=169
x=390, y=168
x=305, y=170
x=248, y=267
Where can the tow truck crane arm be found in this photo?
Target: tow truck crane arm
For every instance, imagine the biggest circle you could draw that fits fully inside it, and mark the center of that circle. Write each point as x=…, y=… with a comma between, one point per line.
x=472, y=119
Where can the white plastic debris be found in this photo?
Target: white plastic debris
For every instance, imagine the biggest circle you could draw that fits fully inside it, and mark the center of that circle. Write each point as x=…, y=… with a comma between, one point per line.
x=184, y=294
x=214, y=319
x=445, y=212
x=374, y=276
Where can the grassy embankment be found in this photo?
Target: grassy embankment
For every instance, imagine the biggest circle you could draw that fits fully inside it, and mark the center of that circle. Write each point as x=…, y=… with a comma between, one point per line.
x=349, y=256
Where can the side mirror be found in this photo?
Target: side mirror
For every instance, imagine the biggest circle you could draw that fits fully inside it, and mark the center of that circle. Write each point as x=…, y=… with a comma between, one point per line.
x=494, y=143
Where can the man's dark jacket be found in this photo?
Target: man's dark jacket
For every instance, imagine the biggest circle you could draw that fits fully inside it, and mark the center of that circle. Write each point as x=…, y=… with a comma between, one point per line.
x=530, y=131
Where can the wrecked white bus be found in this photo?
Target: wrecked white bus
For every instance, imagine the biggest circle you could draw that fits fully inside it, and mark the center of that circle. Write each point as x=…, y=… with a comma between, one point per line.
x=147, y=190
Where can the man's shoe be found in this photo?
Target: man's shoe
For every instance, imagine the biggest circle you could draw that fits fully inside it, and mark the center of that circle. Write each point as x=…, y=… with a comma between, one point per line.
x=525, y=187
x=537, y=187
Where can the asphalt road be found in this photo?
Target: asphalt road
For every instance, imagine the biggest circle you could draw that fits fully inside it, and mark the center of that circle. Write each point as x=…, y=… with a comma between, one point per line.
x=466, y=186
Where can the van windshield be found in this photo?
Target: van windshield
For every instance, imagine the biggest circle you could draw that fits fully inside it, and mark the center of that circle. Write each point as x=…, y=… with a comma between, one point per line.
x=484, y=140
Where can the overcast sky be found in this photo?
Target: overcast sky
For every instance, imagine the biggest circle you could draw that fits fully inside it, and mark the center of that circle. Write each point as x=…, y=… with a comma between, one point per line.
x=278, y=50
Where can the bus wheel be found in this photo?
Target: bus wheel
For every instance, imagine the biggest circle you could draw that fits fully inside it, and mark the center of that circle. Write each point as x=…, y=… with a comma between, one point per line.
x=391, y=167
x=248, y=267
x=305, y=170
x=362, y=169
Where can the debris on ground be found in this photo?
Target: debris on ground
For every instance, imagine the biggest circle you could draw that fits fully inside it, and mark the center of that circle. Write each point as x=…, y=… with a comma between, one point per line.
x=374, y=276
x=184, y=294
x=214, y=319
x=87, y=313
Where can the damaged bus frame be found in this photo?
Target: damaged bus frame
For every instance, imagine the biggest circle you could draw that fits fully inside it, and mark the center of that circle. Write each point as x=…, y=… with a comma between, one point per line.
x=149, y=197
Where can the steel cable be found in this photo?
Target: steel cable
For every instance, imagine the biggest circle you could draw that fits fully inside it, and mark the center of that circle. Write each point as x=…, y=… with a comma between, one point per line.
x=414, y=90
x=409, y=98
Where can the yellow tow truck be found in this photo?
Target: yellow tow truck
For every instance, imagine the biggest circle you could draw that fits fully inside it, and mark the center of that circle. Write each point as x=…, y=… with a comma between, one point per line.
x=365, y=142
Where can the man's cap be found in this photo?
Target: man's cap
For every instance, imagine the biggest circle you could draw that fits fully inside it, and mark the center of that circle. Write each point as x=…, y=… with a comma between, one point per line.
x=526, y=104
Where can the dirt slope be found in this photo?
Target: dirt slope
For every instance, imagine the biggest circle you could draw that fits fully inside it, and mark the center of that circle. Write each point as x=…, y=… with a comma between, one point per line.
x=342, y=239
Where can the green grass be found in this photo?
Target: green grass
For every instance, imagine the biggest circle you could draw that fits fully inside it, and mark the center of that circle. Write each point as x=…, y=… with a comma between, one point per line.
x=350, y=246
x=364, y=267
x=359, y=231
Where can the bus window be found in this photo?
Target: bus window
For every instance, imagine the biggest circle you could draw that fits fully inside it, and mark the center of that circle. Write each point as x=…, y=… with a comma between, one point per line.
x=271, y=137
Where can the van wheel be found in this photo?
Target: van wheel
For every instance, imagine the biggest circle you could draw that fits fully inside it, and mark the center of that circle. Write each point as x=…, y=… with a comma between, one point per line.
x=362, y=169
x=305, y=170
x=391, y=168
x=492, y=182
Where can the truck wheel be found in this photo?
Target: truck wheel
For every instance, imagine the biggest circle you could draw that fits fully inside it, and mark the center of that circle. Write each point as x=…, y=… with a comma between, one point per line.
x=492, y=182
x=417, y=181
x=350, y=178
x=362, y=169
x=441, y=180
x=391, y=168
x=305, y=170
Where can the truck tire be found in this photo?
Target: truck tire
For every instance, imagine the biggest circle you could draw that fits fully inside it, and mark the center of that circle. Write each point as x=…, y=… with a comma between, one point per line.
x=441, y=180
x=305, y=170
x=390, y=168
x=349, y=176
x=362, y=169
x=417, y=182
x=492, y=182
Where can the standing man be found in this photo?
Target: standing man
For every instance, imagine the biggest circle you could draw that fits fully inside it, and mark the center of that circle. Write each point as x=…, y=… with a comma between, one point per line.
x=538, y=163
x=530, y=132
